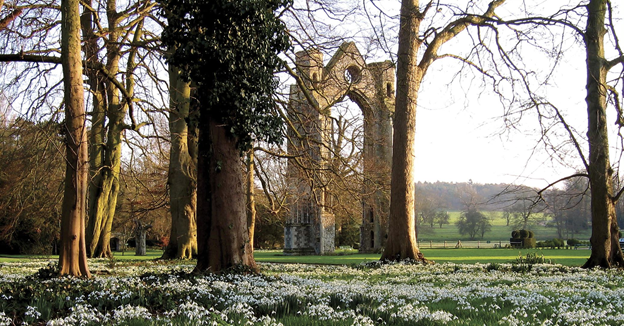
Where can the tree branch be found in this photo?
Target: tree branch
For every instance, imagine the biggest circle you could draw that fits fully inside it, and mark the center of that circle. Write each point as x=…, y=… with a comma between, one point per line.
x=576, y=175
x=57, y=60
x=452, y=29
x=612, y=63
x=4, y=22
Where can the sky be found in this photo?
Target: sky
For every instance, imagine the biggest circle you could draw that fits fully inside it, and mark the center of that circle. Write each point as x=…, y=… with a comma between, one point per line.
x=460, y=132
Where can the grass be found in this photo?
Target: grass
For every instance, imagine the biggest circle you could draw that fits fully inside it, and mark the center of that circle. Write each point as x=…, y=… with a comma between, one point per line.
x=349, y=257
x=500, y=231
x=458, y=256
x=128, y=255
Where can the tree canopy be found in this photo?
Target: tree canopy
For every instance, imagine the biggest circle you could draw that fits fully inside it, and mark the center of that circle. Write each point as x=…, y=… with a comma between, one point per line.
x=229, y=49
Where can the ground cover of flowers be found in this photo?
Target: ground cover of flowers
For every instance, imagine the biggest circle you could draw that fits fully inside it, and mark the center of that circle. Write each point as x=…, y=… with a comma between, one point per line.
x=157, y=293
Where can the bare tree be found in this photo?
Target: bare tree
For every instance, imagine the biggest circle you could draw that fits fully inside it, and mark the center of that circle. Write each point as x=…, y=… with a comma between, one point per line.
x=597, y=17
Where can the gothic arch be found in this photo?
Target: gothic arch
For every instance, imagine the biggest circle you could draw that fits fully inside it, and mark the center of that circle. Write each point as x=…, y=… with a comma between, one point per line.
x=310, y=228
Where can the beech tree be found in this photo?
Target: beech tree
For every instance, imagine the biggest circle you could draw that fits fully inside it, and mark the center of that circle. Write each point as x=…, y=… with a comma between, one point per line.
x=182, y=178
x=73, y=254
x=112, y=103
x=229, y=50
x=410, y=73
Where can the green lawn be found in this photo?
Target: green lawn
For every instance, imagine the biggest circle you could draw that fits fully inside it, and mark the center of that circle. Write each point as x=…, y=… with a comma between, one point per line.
x=459, y=256
x=128, y=255
x=500, y=231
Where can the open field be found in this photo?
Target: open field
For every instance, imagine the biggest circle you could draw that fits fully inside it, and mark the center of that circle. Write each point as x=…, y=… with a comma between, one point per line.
x=156, y=293
x=500, y=231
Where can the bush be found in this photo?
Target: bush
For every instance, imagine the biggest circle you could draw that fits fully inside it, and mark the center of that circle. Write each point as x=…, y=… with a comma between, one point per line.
x=531, y=235
x=515, y=234
x=532, y=258
x=573, y=242
x=558, y=243
x=524, y=234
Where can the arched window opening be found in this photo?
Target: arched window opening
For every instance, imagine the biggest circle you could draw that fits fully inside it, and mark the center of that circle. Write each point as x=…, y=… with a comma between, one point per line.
x=372, y=239
x=352, y=75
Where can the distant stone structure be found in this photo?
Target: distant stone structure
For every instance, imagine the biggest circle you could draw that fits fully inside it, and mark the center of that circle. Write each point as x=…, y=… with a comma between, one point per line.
x=310, y=226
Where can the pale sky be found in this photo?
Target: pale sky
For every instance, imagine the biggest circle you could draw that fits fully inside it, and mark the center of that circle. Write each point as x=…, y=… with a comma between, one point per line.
x=459, y=132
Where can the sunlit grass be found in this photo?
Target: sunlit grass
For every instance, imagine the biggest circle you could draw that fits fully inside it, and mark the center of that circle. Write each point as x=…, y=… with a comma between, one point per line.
x=464, y=256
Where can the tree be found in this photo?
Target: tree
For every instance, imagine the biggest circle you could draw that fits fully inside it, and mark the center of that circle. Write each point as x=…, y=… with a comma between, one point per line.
x=410, y=73
x=570, y=207
x=182, y=179
x=229, y=49
x=472, y=223
x=606, y=251
x=441, y=218
x=30, y=195
x=522, y=213
x=73, y=254
x=112, y=103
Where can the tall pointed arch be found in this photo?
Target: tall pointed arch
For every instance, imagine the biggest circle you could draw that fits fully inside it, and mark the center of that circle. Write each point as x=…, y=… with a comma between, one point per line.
x=310, y=226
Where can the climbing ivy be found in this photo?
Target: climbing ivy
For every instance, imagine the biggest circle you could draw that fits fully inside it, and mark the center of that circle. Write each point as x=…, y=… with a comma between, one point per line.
x=229, y=49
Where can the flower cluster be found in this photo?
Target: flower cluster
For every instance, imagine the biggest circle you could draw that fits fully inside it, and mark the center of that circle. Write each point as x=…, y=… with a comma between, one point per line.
x=381, y=294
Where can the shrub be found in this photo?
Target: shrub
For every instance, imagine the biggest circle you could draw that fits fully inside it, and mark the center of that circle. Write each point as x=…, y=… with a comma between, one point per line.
x=528, y=243
x=532, y=258
x=573, y=242
x=531, y=235
x=515, y=234
x=524, y=234
x=558, y=243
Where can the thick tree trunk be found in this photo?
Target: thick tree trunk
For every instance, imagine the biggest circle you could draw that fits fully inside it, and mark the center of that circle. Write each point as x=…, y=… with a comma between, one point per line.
x=606, y=250
x=97, y=135
x=251, y=202
x=222, y=234
x=182, y=172
x=401, y=242
x=73, y=258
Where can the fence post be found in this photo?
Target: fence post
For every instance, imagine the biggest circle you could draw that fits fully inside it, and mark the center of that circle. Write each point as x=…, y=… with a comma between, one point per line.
x=478, y=244
x=430, y=244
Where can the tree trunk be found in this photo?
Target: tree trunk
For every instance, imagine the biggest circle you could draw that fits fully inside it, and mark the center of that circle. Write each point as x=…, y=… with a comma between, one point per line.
x=606, y=250
x=105, y=186
x=140, y=238
x=401, y=242
x=251, y=202
x=223, y=239
x=182, y=172
x=97, y=135
x=73, y=257
x=402, y=238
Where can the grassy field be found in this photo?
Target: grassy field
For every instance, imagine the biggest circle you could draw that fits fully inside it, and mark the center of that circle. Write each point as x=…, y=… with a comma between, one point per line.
x=458, y=256
x=500, y=231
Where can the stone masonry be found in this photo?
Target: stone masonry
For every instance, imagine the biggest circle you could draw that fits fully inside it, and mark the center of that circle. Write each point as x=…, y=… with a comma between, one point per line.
x=310, y=226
